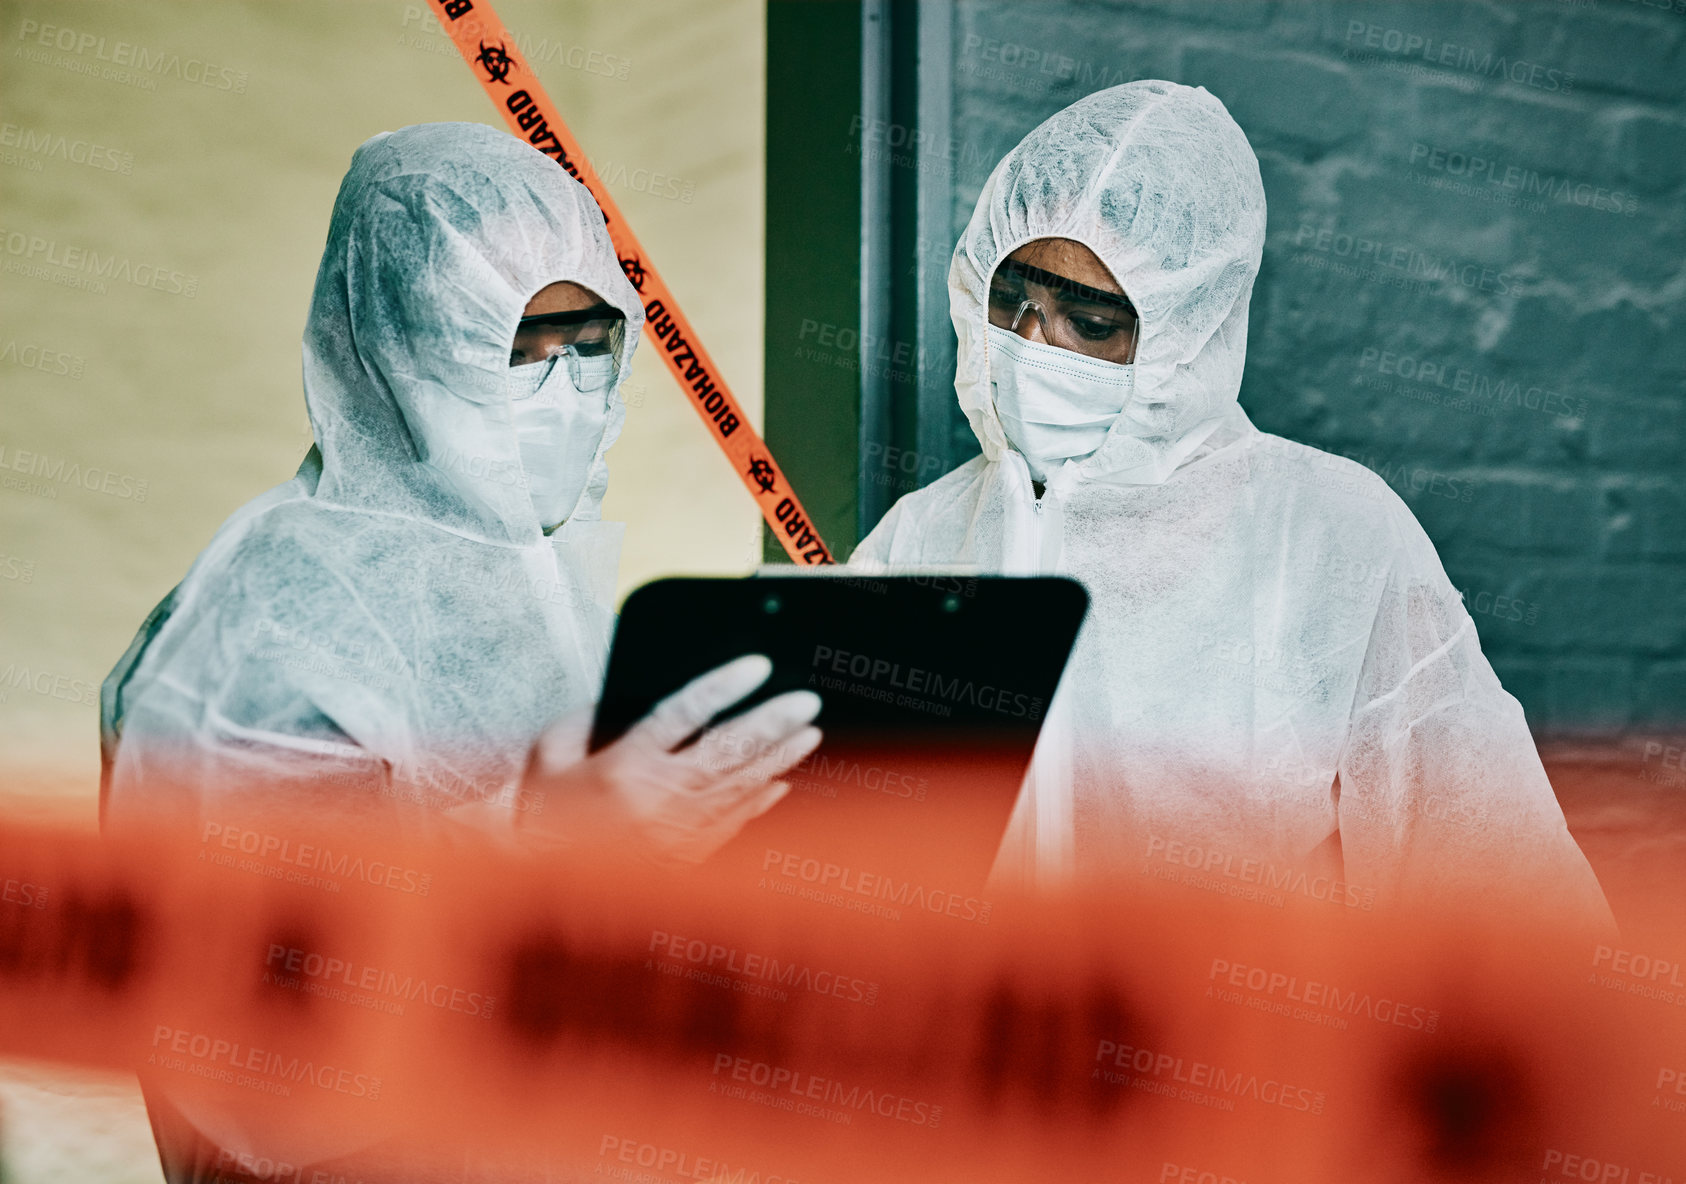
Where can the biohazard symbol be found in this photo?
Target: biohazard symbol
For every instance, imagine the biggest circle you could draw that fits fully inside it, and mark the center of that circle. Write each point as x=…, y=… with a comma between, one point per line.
x=761, y=472
x=634, y=269
x=497, y=61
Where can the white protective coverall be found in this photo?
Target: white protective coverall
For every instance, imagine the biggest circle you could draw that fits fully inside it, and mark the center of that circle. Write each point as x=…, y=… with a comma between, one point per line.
x=394, y=609
x=391, y=624
x=1274, y=655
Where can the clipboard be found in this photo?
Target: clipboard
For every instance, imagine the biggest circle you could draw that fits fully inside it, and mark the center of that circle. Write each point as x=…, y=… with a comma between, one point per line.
x=934, y=690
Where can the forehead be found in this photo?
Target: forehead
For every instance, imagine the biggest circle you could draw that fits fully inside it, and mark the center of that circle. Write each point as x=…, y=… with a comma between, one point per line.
x=1068, y=258
x=561, y=297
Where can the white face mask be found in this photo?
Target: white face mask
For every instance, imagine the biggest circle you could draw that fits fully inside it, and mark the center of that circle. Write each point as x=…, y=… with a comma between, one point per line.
x=559, y=428
x=1054, y=405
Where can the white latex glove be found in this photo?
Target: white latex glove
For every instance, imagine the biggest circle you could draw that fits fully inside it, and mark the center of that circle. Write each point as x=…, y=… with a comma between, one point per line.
x=671, y=806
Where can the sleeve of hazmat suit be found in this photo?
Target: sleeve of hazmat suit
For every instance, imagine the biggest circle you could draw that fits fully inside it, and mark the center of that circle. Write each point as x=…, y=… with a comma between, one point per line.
x=1441, y=789
x=1275, y=674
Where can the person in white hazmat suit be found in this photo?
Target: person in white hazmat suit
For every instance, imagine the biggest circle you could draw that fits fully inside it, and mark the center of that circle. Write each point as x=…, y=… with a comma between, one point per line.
x=1277, y=687
x=406, y=620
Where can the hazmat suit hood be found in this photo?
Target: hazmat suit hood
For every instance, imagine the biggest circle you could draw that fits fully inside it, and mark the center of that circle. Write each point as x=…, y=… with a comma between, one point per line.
x=1160, y=183
x=440, y=235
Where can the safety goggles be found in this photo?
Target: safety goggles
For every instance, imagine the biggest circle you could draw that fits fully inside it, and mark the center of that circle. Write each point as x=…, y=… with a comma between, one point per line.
x=1070, y=315
x=589, y=338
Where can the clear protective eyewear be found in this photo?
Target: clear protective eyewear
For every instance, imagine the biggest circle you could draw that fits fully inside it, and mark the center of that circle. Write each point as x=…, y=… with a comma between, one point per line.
x=1073, y=316
x=589, y=338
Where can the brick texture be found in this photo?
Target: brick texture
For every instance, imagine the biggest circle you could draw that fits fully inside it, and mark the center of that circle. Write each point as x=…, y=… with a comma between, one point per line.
x=1537, y=153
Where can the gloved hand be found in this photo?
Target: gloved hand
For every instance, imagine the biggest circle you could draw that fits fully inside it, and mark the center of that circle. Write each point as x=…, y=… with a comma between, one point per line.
x=671, y=805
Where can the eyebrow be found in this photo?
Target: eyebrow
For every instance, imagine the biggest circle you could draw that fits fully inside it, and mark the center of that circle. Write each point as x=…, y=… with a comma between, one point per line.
x=597, y=312
x=1049, y=279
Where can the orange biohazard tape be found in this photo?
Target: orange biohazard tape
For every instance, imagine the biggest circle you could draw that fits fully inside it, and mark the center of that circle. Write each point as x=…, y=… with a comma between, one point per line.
x=318, y=988
x=489, y=49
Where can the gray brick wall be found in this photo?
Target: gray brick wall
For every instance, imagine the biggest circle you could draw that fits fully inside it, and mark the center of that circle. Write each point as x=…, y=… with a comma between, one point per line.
x=1474, y=283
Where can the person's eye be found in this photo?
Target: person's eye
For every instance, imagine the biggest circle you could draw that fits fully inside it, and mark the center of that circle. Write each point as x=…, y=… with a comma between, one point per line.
x=1094, y=328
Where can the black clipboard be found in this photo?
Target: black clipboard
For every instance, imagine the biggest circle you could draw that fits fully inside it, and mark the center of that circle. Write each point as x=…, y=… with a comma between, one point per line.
x=934, y=690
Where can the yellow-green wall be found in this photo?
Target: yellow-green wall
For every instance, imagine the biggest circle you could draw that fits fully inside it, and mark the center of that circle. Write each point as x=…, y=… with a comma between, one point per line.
x=227, y=184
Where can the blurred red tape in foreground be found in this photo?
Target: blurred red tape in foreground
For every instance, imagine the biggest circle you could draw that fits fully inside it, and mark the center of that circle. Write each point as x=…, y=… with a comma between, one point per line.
x=340, y=992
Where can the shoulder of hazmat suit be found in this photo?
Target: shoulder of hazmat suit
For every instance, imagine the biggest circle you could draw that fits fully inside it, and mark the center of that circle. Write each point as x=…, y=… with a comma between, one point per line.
x=393, y=616
x=1275, y=666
